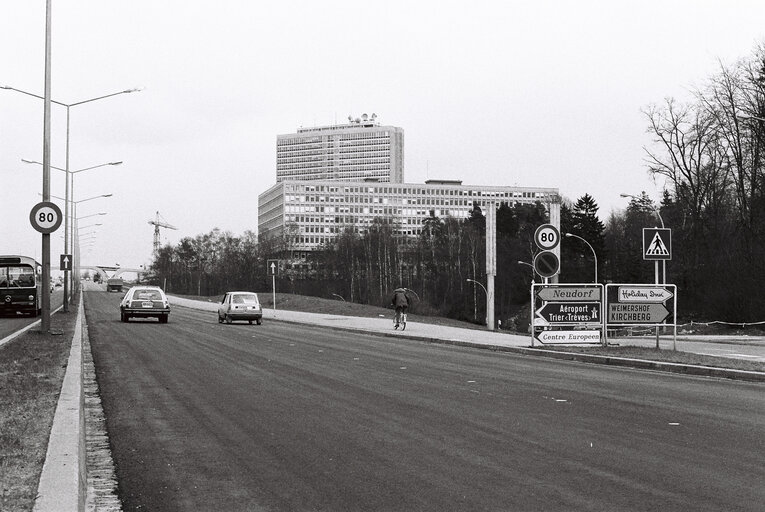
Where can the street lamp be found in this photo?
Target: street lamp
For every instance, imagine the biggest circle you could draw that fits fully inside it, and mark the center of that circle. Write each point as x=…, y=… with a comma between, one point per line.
x=69, y=230
x=487, y=297
x=69, y=176
x=533, y=270
x=656, y=210
x=569, y=235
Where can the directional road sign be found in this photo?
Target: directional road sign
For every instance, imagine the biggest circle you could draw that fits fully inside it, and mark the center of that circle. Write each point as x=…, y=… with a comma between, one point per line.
x=644, y=294
x=621, y=313
x=272, y=267
x=657, y=244
x=570, y=337
x=66, y=262
x=547, y=237
x=568, y=293
x=570, y=312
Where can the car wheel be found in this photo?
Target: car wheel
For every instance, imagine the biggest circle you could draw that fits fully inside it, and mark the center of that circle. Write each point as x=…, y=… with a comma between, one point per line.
x=163, y=319
x=220, y=319
x=259, y=321
x=125, y=317
x=228, y=319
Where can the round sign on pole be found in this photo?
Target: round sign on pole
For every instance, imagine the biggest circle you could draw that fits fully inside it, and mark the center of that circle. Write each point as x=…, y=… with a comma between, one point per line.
x=45, y=217
x=546, y=263
x=547, y=237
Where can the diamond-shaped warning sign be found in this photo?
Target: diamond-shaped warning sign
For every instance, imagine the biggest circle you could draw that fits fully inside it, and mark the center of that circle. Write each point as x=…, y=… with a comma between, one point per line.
x=657, y=244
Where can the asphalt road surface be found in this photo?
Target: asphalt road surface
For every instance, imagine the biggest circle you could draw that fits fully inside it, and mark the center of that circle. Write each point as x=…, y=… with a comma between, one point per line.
x=214, y=417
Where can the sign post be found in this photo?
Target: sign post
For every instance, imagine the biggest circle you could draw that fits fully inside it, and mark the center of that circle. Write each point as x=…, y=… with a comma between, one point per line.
x=657, y=246
x=272, y=269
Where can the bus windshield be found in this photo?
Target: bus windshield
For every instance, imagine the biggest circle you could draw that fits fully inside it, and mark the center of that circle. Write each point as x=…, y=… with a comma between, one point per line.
x=17, y=277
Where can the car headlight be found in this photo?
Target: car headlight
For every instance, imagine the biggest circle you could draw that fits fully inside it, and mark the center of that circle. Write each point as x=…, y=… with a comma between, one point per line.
x=31, y=297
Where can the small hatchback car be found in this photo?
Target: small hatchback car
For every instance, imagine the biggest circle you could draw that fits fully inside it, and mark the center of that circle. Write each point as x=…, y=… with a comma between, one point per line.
x=145, y=302
x=240, y=306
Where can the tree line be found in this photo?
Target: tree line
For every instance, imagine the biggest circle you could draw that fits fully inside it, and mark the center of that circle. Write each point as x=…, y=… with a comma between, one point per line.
x=708, y=152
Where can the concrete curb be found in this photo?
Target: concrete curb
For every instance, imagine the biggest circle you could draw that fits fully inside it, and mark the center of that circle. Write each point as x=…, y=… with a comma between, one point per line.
x=63, y=480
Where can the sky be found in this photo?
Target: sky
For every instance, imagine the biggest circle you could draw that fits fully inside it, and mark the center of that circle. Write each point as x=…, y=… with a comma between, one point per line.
x=536, y=93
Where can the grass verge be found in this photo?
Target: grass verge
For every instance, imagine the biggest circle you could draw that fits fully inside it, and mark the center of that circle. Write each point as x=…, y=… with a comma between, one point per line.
x=32, y=369
x=665, y=356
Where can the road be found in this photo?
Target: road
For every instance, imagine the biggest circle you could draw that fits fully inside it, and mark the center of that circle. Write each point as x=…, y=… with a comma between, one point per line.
x=208, y=416
x=11, y=324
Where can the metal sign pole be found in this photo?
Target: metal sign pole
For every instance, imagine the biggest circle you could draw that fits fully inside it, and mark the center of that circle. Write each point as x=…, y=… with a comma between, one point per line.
x=273, y=290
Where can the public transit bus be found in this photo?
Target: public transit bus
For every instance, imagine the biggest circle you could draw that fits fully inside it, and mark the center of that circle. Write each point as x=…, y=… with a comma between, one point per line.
x=20, y=285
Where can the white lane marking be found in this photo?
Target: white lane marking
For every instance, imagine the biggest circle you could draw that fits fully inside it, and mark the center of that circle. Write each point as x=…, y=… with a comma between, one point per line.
x=674, y=424
x=355, y=358
x=471, y=382
x=402, y=368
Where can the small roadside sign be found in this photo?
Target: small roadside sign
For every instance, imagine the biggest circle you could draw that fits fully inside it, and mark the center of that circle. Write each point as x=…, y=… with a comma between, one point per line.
x=637, y=313
x=568, y=337
x=65, y=262
x=272, y=267
x=646, y=294
x=570, y=312
x=546, y=263
x=547, y=237
x=569, y=293
x=45, y=217
x=657, y=244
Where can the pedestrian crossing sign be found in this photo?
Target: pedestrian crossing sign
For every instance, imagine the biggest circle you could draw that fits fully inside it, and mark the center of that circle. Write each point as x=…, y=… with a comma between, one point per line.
x=657, y=244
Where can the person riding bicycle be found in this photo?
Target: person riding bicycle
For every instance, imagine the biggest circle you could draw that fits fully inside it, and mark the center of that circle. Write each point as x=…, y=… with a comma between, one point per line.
x=400, y=301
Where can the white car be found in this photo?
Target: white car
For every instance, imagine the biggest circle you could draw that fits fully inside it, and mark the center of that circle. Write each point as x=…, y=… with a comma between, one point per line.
x=240, y=306
x=145, y=302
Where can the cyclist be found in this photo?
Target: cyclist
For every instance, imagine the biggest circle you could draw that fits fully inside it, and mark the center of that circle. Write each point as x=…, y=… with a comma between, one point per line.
x=400, y=301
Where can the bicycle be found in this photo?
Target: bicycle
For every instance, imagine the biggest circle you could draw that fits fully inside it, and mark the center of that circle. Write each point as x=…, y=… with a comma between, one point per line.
x=400, y=319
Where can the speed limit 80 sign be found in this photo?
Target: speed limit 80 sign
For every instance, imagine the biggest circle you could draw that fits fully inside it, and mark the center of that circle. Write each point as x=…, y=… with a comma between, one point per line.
x=547, y=237
x=45, y=217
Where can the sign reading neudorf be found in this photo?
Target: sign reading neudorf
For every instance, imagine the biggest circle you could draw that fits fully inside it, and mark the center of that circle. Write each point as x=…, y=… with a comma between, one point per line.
x=569, y=293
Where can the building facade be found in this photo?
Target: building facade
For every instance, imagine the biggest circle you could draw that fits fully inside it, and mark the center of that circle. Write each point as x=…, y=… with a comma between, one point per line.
x=361, y=149
x=309, y=214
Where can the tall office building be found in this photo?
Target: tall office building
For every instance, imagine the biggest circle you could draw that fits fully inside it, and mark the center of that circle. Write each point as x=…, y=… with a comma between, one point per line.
x=361, y=149
x=308, y=215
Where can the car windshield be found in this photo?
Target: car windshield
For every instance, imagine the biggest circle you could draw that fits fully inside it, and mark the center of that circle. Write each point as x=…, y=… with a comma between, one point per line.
x=245, y=298
x=144, y=294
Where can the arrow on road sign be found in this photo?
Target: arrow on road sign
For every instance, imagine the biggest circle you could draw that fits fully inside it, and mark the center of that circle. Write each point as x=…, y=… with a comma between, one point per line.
x=65, y=262
x=644, y=294
x=570, y=312
x=569, y=293
x=637, y=313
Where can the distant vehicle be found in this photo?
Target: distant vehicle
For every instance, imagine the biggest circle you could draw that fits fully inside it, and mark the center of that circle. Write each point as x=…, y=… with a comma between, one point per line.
x=145, y=302
x=240, y=306
x=114, y=284
x=20, y=285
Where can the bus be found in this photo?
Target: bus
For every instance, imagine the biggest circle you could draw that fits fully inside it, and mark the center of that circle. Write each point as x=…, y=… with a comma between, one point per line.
x=20, y=285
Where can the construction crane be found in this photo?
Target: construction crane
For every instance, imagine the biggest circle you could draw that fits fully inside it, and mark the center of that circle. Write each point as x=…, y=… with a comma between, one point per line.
x=159, y=222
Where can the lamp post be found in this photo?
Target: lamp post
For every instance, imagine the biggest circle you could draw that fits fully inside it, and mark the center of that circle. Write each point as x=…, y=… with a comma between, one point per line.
x=569, y=235
x=487, y=296
x=68, y=230
x=663, y=262
x=46, y=155
x=533, y=270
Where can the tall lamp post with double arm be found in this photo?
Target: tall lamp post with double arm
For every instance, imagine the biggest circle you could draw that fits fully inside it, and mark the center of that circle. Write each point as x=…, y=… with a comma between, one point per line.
x=67, y=241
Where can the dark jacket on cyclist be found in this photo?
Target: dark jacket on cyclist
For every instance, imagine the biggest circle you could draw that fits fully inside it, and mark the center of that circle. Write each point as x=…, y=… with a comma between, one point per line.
x=399, y=298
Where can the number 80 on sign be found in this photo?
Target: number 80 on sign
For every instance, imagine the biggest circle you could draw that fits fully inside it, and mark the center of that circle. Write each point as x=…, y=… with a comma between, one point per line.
x=547, y=237
x=45, y=217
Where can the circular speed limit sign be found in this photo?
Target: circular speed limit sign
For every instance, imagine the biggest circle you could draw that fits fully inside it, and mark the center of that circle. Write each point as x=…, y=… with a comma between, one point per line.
x=45, y=217
x=547, y=237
